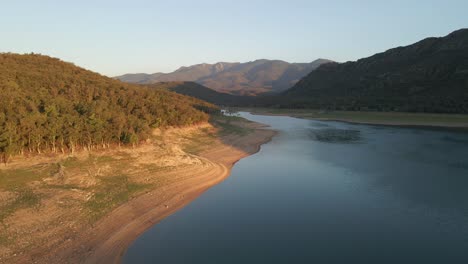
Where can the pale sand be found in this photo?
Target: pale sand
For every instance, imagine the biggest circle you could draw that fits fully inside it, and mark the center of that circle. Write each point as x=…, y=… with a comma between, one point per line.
x=108, y=240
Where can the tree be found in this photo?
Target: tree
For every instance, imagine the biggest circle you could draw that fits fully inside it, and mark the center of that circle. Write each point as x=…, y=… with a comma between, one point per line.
x=49, y=105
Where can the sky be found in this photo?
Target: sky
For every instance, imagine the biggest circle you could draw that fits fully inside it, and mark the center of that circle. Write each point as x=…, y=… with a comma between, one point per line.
x=133, y=36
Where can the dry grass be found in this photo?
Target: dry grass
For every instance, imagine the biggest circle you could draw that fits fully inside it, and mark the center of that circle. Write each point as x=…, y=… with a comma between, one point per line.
x=46, y=200
x=111, y=192
x=79, y=190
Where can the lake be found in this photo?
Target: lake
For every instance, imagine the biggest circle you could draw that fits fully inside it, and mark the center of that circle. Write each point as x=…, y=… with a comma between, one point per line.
x=327, y=192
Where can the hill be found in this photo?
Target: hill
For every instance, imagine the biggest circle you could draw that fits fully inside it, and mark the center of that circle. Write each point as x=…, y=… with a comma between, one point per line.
x=51, y=105
x=251, y=78
x=204, y=93
x=428, y=76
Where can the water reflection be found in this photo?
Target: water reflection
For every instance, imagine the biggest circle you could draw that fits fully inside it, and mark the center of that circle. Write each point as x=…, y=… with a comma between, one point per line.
x=313, y=195
x=334, y=135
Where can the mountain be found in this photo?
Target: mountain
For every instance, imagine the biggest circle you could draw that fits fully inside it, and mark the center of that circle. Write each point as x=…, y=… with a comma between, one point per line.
x=428, y=76
x=139, y=77
x=251, y=78
x=48, y=105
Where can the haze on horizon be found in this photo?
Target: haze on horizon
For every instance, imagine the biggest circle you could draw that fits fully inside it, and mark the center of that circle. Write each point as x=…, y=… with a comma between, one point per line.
x=118, y=37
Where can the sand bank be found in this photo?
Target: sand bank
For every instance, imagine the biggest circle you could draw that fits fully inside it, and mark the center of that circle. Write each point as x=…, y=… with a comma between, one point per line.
x=107, y=240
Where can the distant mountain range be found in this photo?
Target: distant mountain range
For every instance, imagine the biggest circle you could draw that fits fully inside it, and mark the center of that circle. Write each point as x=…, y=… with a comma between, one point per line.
x=428, y=76
x=250, y=78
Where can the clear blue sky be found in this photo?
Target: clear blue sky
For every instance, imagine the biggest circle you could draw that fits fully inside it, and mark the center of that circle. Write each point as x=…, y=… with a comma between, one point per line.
x=116, y=37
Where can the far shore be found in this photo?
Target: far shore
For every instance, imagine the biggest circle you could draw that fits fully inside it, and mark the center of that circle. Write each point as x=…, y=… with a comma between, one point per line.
x=452, y=122
x=107, y=240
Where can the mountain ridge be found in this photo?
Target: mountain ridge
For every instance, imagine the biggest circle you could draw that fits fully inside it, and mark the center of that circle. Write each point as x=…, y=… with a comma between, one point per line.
x=430, y=75
x=249, y=78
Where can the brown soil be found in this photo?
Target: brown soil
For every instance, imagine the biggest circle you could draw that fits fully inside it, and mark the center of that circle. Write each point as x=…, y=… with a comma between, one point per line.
x=176, y=167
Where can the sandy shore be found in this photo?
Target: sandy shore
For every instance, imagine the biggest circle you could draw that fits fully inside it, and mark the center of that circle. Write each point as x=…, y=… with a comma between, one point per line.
x=108, y=239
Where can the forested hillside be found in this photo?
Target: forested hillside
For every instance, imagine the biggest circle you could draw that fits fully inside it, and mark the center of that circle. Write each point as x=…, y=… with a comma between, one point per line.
x=201, y=92
x=47, y=105
x=428, y=76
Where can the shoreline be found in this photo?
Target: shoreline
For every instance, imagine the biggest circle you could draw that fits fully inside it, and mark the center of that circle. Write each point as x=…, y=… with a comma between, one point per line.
x=110, y=237
x=458, y=127
x=428, y=126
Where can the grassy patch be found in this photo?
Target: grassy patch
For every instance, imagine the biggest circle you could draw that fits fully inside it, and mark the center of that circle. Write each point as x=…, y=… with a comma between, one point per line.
x=74, y=162
x=26, y=198
x=111, y=192
x=198, y=142
x=229, y=128
x=229, y=125
x=4, y=239
x=19, y=178
x=208, y=132
x=228, y=118
x=101, y=159
x=118, y=162
x=71, y=162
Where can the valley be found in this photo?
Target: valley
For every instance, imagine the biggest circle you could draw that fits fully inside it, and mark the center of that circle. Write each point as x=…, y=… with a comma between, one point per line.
x=199, y=132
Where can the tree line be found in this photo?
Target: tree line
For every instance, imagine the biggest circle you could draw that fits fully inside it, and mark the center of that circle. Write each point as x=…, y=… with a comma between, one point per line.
x=47, y=105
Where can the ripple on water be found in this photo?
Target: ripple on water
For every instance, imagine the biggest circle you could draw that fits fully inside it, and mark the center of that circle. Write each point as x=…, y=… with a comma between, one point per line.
x=335, y=135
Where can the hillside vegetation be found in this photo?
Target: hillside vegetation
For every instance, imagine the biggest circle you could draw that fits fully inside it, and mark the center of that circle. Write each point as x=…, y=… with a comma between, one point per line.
x=47, y=105
x=428, y=76
x=201, y=92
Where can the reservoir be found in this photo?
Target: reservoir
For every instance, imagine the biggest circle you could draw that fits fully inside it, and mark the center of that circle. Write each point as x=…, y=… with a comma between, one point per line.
x=327, y=192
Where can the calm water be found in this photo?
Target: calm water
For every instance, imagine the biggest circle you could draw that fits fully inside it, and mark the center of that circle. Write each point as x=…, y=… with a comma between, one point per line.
x=327, y=192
